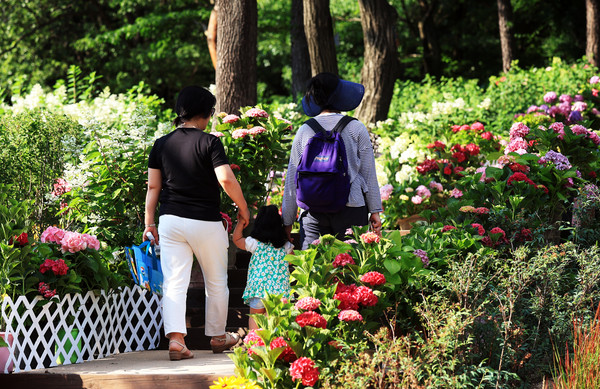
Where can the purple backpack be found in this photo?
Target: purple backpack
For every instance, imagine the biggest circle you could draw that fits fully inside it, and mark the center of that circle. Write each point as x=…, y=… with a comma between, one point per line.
x=322, y=179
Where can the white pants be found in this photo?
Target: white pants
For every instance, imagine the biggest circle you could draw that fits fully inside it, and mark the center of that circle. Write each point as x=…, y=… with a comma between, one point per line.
x=181, y=238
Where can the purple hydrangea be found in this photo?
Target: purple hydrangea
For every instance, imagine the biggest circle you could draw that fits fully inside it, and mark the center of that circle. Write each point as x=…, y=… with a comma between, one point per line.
x=423, y=255
x=560, y=161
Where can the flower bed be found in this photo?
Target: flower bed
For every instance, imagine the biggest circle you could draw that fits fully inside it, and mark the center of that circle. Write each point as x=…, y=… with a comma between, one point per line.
x=111, y=323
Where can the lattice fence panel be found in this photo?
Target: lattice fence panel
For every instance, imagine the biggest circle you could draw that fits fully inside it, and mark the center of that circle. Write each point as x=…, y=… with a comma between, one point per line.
x=126, y=320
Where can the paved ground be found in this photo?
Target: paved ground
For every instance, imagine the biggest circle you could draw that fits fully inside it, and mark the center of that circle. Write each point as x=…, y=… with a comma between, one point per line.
x=142, y=369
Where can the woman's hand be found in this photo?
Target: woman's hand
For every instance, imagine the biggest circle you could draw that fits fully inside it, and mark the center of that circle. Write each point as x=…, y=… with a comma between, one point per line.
x=375, y=222
x=154, y=231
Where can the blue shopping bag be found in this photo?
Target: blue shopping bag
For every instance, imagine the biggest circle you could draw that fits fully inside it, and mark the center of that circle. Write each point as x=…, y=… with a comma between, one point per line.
x=144, y=266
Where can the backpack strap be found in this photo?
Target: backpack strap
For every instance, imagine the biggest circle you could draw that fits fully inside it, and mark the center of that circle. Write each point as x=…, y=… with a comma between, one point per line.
x=314, y=124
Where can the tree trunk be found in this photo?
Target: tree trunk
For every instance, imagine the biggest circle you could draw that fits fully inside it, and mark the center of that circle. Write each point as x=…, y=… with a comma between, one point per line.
x=505, y=21
x=380, y=65
x=236, y=54
x=432, y=61
x=318, y=28
x=300, y=56
x=592, y=48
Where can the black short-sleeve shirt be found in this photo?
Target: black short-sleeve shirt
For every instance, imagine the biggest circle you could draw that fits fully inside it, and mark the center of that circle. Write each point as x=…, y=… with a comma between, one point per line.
x=187, y=158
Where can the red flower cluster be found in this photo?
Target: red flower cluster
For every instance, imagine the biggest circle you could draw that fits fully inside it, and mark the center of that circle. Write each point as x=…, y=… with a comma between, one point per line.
x=427, y=165
x=342, y=260
x=524, y=235
x=58, y=267
x=20, y=240
x=365, y=296
x=235, y=167
x=479, y=228
x=448, y=228
x=45, y=291
x=308, y=303
x=312, y=319
x=304, y=368
x=518, y=176
x=478, y=127
x=472, y=149
x=350, y=315
x=517, y=167
x=437, y=145
x=373, y=278
x=487, y=135
x=288, y=355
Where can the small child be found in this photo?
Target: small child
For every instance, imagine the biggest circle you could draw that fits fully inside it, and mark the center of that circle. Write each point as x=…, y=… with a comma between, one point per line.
x=268, y=271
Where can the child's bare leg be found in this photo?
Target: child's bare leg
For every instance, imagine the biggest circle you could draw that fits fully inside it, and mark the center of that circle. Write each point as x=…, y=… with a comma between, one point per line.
x=251, y=323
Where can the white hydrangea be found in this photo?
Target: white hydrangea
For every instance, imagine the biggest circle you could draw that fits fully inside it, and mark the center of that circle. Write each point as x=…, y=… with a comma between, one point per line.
x=411, y=154
x=485, y=104
x=406, y=173
x=382, y=178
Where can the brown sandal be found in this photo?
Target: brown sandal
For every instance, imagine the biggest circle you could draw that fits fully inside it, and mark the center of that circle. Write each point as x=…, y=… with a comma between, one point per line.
x=219, y=345
x=181, y=354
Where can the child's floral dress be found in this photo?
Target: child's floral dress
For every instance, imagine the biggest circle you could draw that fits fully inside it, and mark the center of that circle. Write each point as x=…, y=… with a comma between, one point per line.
x=268, y=271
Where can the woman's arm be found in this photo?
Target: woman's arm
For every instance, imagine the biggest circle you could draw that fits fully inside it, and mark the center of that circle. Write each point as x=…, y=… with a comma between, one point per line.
x=231, y=186
x=152, y=195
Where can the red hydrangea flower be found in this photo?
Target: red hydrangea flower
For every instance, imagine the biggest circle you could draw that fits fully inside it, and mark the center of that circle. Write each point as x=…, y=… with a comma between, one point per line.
x=465, y=127
x=308, y=303
x=472, y=149
x=481, y=210
x=347, y=300
x=234, y=166
x=20, y=240
x=448, y=228
x=448, y=169
x=460, y=157
x=518, y=176
x=543, y=187
x=455, y=128
x=304, y=369
x=312, y=319
x=349, y=315
x=365, y=296
x=427, y=166
x=373, y=278
x=479, y=228
x=341, y=288
x=288, y=355
x=487, y=135
x=498, y=230
x=456, y=148
x=517, y=167
x=342, y=260
x=370, y=237
x=437, y=145
x=58, y=267
x=458, y=170
x=45, y=291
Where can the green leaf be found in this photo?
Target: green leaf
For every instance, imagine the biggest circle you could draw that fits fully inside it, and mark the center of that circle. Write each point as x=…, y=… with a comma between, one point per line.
x=392, y=266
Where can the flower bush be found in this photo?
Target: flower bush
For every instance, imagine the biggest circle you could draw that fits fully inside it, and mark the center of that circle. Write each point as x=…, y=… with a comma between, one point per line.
x=257, y=144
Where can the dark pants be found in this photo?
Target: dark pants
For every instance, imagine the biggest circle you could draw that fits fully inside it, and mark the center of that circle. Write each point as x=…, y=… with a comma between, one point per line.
x=315, y=224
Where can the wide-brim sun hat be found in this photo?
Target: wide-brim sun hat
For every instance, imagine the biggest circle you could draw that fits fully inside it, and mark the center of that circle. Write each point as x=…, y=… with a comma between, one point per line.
x=346, y=96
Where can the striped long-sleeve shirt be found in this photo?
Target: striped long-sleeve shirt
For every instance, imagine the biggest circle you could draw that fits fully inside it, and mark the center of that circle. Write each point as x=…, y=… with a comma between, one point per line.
x=364, y=188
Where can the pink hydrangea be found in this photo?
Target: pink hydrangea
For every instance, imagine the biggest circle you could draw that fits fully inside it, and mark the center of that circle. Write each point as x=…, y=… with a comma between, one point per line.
x=45, y=290
x=456, y=193
x=550, y=97
x=518, y=130
x=304, y=369
x=52, y=235
x=239, y=133
x=416, y=199
x=423, y=192
x=253, y=340
x=91, y=241
x=231, y=119
x=60, y=187
x=594, y=80
x=386, y=191
x=342, y=260
x=256, y=130
x=308, y=303
x=373, y=278
x=349, y=315
x=436, y=185
x=477, y=126
x=217, y=134
x=579, y=129
x=516, y=145
x=73, y=242
x=579, y=106
x=370, y=237
x=257, y=113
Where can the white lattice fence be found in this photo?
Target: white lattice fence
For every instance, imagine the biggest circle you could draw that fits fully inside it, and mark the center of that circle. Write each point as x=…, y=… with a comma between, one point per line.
x=123, y=321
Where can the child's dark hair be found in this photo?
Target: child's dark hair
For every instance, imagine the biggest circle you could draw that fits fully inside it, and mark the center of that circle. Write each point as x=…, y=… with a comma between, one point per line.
x=268, y=226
